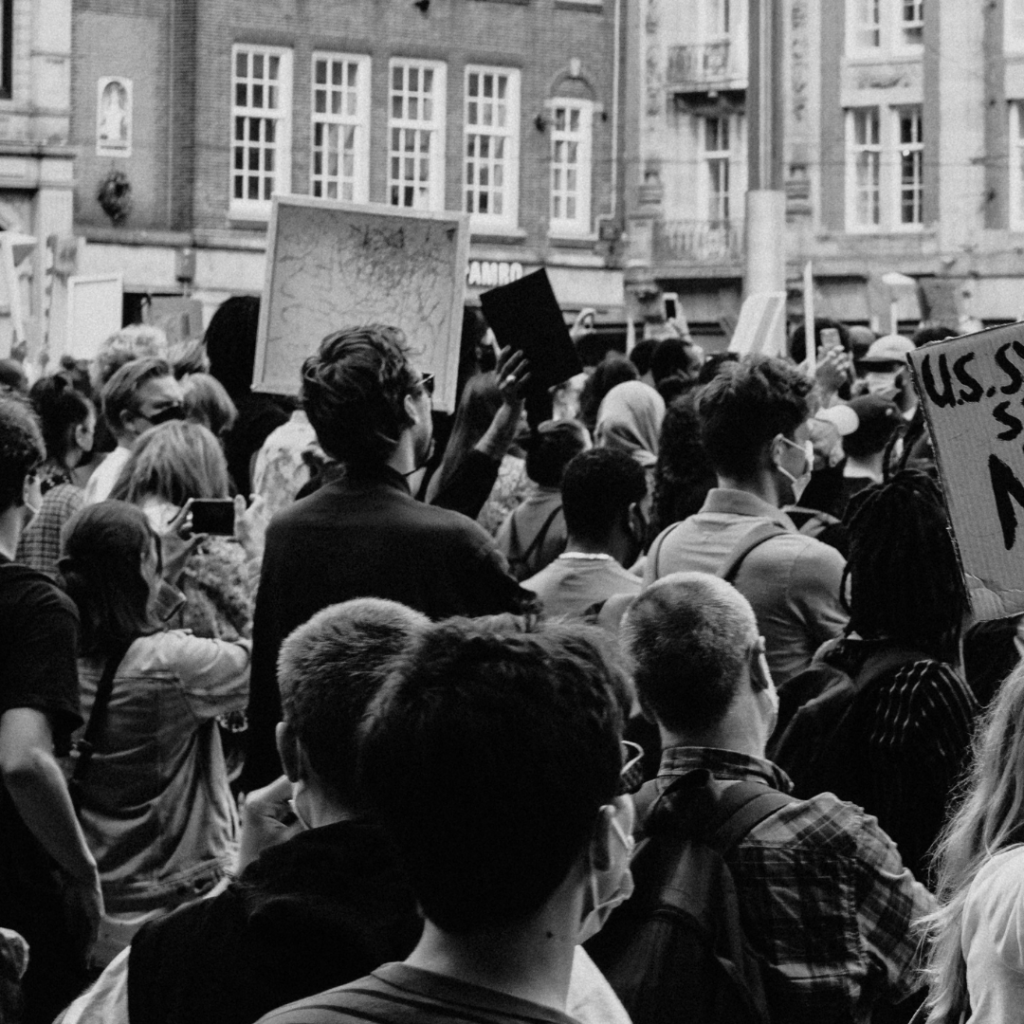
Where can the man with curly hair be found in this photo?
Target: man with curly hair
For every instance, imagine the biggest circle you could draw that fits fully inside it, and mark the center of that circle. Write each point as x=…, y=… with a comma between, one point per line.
x=753, y=424
x=364, y=535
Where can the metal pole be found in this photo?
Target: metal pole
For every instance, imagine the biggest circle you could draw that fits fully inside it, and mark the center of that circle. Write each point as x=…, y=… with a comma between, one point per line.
x=765, y=257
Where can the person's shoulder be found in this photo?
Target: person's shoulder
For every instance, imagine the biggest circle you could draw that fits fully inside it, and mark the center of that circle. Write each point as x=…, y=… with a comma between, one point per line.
x=32, y=591
x=334, y=1006
x=822, y=823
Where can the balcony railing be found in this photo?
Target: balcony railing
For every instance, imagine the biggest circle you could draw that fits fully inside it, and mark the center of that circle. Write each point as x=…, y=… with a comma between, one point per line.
x=699, y=240
x=706, y=67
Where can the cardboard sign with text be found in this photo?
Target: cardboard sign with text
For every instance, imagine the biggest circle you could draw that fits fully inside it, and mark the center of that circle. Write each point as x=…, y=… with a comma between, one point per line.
x=972, y=390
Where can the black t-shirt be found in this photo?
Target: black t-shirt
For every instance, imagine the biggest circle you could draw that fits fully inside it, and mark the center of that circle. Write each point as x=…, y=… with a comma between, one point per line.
x=38, y=640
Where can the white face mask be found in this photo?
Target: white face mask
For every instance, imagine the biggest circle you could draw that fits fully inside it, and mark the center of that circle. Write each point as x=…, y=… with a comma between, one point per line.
x=596, y=916
x=799, y=483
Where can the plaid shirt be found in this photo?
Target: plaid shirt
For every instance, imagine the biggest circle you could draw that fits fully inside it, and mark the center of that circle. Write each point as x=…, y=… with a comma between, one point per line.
x=825, y=899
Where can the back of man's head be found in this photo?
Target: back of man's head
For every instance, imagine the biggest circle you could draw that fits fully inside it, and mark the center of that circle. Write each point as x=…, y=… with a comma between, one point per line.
x=674, y=357
x=120, y=394
x=21, y=449
x=598, y=489
x=690, y=637
x=487, y=757
x=745, y=406
x=353, y=391
x=551, y=449
x=329, y=669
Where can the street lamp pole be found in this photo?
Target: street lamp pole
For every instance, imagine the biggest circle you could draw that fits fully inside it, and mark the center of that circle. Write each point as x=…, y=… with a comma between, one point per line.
x=765, y=258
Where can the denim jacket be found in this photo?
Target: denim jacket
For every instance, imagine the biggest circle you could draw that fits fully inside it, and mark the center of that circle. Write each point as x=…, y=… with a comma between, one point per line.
x=156, y=807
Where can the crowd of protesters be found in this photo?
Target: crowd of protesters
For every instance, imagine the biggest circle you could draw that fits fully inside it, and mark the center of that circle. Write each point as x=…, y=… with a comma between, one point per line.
x=337, y=709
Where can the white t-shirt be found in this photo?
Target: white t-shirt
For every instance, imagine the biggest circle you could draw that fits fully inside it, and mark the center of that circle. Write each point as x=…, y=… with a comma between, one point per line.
x=992, y=939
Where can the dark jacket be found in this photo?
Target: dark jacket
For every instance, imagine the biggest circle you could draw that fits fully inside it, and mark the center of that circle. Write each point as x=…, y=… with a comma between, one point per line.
x=362, y=536
x=322, y=909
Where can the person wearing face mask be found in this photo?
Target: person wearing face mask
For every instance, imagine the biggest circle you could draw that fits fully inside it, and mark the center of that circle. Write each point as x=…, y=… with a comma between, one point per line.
x=49, y=885
x=603, y=493
x=154, y=798
x=492, y=760
x=753, y=423
x=141, y=394
x=68, y=421
x=883, y=371
x=319, y=899
x=826, y=902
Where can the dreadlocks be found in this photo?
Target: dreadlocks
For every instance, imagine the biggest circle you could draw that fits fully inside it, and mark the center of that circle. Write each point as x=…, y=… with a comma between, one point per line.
x=905, y=580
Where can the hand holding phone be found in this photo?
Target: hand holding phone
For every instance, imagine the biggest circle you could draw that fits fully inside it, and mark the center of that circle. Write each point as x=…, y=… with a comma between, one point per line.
x=212, y=515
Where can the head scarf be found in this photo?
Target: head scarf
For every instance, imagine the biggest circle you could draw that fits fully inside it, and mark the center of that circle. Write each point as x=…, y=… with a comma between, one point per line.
x=630, y=420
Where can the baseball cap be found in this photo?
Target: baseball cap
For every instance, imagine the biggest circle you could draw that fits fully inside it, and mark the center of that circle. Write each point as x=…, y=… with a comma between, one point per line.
x=842, y=417
x=893, y=348
x=877, y=419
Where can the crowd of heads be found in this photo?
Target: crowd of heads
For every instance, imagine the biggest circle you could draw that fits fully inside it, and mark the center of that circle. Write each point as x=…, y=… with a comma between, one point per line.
x=487, y=749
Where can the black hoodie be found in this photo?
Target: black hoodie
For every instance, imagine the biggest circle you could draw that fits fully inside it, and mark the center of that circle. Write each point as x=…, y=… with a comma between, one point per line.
x=324, y=908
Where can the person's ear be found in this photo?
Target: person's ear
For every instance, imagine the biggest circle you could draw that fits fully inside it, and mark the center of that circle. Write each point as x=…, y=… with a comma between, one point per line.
x=758, y=666
x=413, y=411
x=291, y=753
x=604, y=844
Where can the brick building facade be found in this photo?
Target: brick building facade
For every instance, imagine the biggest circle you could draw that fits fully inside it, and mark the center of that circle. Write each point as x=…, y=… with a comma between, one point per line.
x=504, y=108
x=36, y=162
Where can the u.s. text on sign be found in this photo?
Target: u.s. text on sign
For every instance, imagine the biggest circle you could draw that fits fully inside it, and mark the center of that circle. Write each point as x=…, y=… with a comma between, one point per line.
x=972, y=391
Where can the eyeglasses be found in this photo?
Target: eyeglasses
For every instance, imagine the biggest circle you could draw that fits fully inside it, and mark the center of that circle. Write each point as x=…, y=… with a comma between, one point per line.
x=426, y=383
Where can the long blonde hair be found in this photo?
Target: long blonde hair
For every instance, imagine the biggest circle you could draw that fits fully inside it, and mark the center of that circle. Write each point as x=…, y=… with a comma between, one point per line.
x=988, y=819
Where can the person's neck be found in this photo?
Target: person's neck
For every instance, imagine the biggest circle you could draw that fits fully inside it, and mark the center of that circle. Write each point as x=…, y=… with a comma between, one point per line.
x=531, y=961
x=869, y=468
x=403, y=458
x=10, y=531
x=740, y=731
x=578, y=546
x=762, y=485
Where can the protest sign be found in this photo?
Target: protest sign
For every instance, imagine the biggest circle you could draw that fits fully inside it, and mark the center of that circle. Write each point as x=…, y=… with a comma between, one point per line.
x=332, y=265
x=972, y=390
x=759, y=324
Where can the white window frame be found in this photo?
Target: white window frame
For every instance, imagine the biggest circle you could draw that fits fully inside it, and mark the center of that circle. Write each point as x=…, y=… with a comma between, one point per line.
x=346, y=109
x=888, y=152
x=853, y=150
x=1016, y=218
x=432, y=196
x=889, y=24
x=722, y=157
x=476, y=134
x=578, y=225
x=857, y=24
x=902, y=149
x=280, y=115
x=913, y=23
x=1013, y=26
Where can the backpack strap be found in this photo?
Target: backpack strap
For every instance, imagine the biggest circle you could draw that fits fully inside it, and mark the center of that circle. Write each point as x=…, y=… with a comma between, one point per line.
x=741, y=808
x=655, y=551
x=753, y=538
x=86, y=745
x=540, y=536
x=733, y=808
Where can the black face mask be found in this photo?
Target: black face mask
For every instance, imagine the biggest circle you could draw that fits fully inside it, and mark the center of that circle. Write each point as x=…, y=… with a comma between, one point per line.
x=172, y=412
